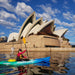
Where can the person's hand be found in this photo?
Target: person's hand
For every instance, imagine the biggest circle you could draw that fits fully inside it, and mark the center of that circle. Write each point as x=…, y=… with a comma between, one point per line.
x=25, y=50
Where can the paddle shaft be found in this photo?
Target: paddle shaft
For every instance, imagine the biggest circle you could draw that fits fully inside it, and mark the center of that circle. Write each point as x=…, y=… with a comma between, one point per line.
x=27, y=56
x=26, y=50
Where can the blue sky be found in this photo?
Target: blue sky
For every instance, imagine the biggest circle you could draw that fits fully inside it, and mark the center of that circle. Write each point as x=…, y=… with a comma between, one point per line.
x=14, y=12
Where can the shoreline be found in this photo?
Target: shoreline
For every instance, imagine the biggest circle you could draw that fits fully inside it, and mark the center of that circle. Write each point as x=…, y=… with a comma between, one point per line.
x=41, y=49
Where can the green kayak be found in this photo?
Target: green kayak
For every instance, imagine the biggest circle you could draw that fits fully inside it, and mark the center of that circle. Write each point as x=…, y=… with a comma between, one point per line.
x=40, y=61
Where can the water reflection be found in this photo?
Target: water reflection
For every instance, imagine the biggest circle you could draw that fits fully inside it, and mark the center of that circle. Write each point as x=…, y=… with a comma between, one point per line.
x=61, y=63
x=69, y=65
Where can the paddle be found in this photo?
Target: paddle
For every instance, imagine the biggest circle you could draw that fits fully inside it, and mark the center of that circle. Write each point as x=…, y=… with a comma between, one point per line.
x=24, y=41
x=44, y=62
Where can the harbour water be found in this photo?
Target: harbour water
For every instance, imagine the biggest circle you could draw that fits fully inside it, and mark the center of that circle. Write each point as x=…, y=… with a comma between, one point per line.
x=62, y=63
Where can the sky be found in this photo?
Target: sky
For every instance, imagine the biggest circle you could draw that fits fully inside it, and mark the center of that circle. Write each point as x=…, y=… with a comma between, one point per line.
x=14, y=12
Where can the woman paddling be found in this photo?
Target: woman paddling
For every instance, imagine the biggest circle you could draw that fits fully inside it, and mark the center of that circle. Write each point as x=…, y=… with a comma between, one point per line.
x=20, y=55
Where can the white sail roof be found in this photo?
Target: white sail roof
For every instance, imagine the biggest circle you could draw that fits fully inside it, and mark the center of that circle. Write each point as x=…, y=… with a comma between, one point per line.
x=12, y=36
x=38, y=27
x=26, y=22
x=60, y=32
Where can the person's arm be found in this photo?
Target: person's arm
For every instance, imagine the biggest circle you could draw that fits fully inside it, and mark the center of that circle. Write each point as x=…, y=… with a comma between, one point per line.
x=23, y=52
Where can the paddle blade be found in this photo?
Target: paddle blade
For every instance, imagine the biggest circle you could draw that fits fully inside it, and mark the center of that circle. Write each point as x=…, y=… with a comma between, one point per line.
x=24, y=40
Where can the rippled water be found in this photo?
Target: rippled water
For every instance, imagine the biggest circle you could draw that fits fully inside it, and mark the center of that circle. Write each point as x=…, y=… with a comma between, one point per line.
x=7, y=70
x=70, y=65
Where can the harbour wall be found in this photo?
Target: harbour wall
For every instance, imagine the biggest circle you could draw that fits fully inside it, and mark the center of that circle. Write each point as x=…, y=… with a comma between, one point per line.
x=44, y=51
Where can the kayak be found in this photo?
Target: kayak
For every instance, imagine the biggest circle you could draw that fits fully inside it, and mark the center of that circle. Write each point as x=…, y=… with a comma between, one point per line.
x=39, y=61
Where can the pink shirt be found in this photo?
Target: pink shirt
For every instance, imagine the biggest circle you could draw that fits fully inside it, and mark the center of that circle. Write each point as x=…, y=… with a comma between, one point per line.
x=21, y=53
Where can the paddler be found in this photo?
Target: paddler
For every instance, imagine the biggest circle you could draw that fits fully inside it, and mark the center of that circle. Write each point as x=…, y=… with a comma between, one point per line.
x=20, y=58
x=20, y=55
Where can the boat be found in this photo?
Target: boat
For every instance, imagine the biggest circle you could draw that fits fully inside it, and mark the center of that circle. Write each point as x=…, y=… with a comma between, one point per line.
x=39, y=62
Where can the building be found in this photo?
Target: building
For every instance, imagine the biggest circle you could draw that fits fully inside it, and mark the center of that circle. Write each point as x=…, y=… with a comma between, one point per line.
x=3, y=39
x=40, y=33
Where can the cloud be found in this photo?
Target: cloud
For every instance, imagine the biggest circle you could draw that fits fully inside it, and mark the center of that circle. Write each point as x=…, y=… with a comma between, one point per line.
x=44, y=15
x=22, y=8
x=57, y=21
x=48, y=13
x=7, y=18
x=69, y=16
x=7, y=23
x=73, y=29
x=70, y=33
x=6, y=15
x=65, y=2
x=49, y=10
x=17, y=28
x=2, y=33
x=73, y=0
x=9, y=27
x=58, y=28
x=54, y=1
x=68, y=24
x=27, y=0
x=66, y=7
x=6, y=4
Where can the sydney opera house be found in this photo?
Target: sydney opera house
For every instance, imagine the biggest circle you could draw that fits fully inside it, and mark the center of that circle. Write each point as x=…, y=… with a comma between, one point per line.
x=40, y=33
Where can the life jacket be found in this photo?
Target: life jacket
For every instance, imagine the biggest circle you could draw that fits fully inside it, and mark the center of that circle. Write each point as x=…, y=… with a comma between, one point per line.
x=19, y=58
